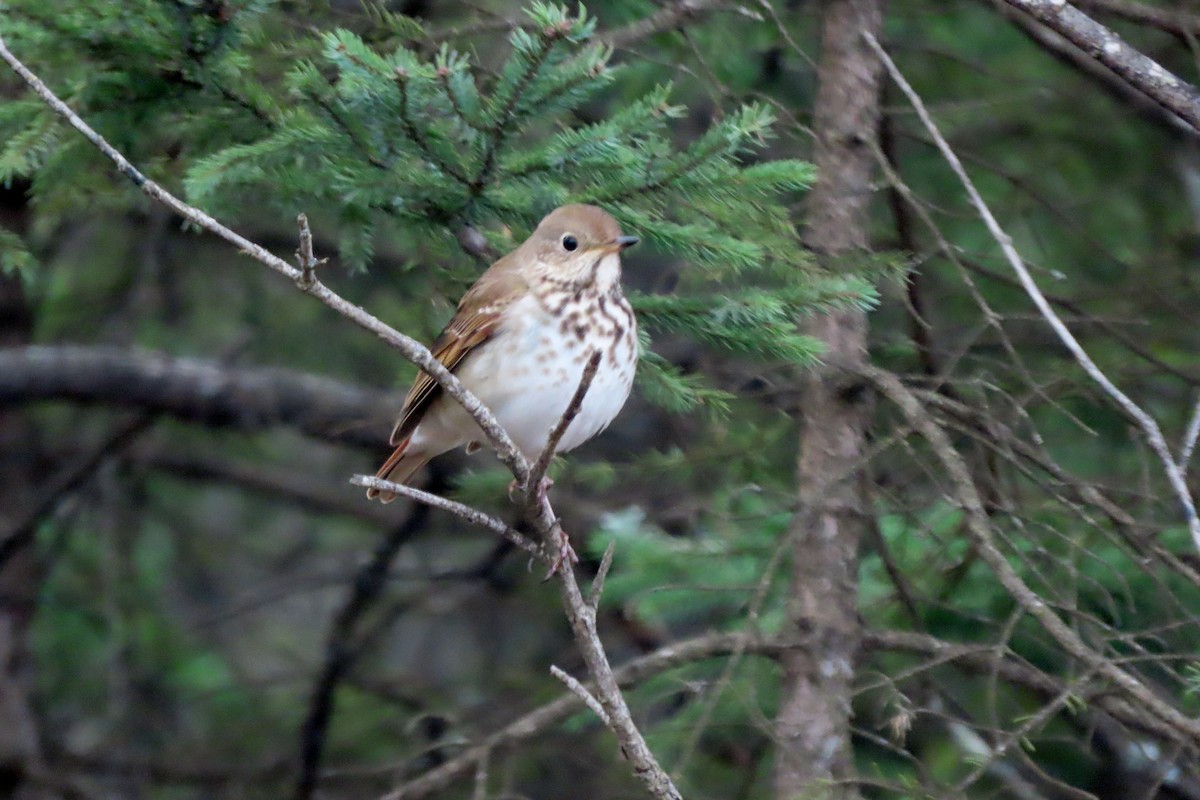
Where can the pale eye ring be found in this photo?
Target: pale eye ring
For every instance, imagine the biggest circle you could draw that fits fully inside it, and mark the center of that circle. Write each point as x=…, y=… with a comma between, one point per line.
x=569, y=243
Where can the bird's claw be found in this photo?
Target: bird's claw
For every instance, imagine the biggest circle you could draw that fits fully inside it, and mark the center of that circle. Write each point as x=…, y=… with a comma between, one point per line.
x=563, y=553
x=560, y=544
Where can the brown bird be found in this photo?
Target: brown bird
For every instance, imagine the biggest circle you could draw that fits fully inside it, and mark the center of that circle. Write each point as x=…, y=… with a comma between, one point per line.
x=520, y=340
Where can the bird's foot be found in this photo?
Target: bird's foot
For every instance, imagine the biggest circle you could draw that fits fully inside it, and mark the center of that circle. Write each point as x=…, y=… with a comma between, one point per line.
x=543, y=487
x=559, y=545
x=564, y=554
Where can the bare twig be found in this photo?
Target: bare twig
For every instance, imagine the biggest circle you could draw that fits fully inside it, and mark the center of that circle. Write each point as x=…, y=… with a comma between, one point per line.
x=537, y=504
x=538, y=471
x=978, y=526
x=579, y=690
x=481, y=778
x=1080, y=60
x=304, y=255
x=671, y=15
x=582, y=615
x=1189, y=439
x=70, y=476
x=974, y=658
x=619, y=720
x=341, y=651
x=1153, y=433
x=1179, y=23
x=538, y=720
x=461, y=510
x=1143, y=72
x=593, y=597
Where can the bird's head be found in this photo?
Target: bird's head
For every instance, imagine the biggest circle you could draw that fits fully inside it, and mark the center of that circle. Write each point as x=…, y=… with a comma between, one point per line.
x=580, y=244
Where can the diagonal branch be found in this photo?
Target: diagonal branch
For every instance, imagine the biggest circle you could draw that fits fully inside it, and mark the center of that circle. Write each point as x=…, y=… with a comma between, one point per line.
x=541, y=718
x=1178, y=23
x=1166, y=89
x=556, y=433
x=1154, y=435
x=340, y=650
x=75, y=472
x=979, y=527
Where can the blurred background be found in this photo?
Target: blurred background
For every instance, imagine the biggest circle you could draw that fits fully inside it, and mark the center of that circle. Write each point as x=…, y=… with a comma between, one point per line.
x=196, y=603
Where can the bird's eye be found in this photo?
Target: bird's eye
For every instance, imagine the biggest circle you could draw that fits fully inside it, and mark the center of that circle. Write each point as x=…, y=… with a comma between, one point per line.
x=570, y=243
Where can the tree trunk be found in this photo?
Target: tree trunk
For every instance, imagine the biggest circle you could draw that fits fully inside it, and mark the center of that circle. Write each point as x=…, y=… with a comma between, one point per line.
x=814, y=757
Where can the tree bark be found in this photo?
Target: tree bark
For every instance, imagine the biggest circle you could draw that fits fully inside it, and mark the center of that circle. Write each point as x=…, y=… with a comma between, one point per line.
x=814, y=758
x=190, y=389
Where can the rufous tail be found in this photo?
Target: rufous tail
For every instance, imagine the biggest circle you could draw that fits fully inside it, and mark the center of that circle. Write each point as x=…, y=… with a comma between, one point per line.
x=400, y=466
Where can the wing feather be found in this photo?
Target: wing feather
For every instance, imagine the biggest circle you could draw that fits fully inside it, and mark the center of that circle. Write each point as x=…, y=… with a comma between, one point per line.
x=479, y=316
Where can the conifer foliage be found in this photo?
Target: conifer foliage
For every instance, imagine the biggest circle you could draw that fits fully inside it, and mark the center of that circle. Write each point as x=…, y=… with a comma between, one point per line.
x=427, y=141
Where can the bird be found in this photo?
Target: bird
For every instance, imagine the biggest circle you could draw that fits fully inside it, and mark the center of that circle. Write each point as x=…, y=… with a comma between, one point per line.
x=520, y=339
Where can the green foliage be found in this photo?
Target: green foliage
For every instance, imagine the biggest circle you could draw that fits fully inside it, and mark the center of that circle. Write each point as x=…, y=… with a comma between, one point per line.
x=434, y=144
x=14, y=255
x=393, y=133
x=153, y=76
x=669, y=387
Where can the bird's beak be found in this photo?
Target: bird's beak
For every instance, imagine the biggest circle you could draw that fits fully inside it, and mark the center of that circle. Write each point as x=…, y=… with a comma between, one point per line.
x=621, y=242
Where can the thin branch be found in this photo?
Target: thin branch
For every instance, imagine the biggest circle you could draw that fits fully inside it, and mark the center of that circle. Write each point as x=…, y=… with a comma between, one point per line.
x=540, y=466
x=619, y=719
x=579, y=690
x=1168, y=90
x=74, y=473
x=410, y=348
x=304, y=254
x=529, y=725
x=593, y=597
x=582, y=615
x=481, y=778
x=462, y=510
x=1079, y=60
x=340, y=650
x=1178, y=23
x=1154, y=436
x=978, y=526
x=537, y=503
x=973, y=658
x=670, y=16
x=1189, y=439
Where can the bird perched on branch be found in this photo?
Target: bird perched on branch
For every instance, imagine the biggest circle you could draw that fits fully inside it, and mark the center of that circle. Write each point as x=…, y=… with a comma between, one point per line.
x=520, y=340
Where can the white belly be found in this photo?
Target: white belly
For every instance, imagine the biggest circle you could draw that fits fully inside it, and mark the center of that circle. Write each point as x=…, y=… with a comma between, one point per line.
x=527, y=374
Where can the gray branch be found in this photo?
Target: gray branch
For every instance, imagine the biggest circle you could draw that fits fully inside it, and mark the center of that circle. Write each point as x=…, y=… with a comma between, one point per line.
x=1178, y=23
x=196, y=391
x=1143, y=72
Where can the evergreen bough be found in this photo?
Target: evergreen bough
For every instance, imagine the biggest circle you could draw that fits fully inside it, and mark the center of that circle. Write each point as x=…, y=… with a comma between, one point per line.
x=429, y=142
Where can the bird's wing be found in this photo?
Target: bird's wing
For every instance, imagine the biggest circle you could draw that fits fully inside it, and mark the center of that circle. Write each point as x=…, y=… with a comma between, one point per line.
x=477, y=319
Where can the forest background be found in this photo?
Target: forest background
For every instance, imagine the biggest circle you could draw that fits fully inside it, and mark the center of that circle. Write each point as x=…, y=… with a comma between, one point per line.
x=901, y=504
